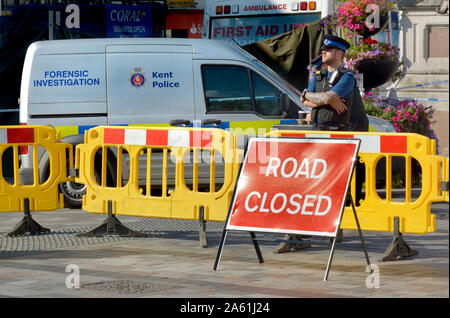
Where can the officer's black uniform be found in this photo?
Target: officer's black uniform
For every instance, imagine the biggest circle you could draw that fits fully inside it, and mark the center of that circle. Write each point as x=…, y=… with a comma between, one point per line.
x=354, y=119
x=326, y=117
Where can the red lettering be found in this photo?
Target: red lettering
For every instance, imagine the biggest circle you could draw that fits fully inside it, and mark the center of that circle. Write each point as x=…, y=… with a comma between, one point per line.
x=230, y=31
x=239, y=31
x=217, y=31
x=273, y=29
x=266, y=7
x=259, y=30
x=248, y=28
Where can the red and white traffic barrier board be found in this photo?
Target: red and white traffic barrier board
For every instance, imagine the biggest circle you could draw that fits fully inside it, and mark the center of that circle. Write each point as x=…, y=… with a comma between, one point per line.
x=369, y=143
x=158, y=137
x=16, y=135
x=300, y=190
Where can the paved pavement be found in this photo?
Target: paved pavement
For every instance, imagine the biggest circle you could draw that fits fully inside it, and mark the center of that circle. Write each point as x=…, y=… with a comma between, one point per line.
x=170, y=263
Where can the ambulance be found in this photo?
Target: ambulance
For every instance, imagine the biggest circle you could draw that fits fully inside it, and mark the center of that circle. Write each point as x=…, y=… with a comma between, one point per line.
x=74, y=85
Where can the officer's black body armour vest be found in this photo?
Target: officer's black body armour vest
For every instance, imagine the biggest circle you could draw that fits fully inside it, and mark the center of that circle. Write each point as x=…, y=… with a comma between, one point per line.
x=354, y=118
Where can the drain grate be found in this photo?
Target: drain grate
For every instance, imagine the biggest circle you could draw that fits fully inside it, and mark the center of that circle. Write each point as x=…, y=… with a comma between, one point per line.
x=130, y=287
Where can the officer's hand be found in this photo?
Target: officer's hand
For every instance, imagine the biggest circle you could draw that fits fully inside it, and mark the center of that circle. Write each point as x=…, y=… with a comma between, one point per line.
x=339, y=106
x=308, y=117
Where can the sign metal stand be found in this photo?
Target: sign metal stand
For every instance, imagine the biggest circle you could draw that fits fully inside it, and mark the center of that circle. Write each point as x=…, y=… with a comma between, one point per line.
x=330, y=258
x=255, y=240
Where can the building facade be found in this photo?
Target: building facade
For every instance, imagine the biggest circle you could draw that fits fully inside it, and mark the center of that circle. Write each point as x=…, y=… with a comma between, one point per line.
x=185, y=18
x=424, y=45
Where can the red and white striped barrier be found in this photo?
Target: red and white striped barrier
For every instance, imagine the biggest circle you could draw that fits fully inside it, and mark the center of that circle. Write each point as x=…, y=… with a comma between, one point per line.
x=369, y=143
x=157, y=137
x=16, y=135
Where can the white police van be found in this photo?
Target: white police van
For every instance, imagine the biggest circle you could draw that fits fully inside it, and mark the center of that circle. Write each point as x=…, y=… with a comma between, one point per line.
x=74, y=85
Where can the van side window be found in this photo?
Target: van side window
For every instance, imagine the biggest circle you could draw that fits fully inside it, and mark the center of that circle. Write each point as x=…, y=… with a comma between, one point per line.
x=227, y=88
x=267, y=97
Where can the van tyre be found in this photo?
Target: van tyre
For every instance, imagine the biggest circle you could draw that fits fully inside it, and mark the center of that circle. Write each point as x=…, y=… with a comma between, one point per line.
x=73, y=194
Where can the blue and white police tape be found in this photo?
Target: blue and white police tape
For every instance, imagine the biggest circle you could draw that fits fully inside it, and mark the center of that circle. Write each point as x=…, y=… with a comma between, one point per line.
x=414, y=86
x=409, y=98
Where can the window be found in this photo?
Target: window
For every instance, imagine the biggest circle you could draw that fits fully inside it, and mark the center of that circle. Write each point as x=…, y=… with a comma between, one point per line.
x=227, y=88
x=267, y=97
x=236, y=89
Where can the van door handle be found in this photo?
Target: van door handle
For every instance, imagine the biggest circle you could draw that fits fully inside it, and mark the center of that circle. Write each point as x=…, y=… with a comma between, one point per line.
x=209, y=122
x=179, y=122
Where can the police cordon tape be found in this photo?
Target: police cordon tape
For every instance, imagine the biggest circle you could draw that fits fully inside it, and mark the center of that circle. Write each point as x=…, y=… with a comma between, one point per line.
x=410, y=98
x=413, y=98
x=414, y=86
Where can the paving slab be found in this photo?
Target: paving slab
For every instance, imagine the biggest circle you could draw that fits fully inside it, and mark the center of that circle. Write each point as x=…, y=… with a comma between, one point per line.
x=171, y=264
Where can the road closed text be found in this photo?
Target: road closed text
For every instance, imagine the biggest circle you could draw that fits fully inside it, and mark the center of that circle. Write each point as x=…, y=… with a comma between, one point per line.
x=305, y=204
x=299, y=189
x=310, y=204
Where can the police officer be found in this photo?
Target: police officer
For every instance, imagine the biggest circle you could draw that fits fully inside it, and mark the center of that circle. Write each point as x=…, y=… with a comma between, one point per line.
x=335, y=99
x=336, y=105
x=333, y=94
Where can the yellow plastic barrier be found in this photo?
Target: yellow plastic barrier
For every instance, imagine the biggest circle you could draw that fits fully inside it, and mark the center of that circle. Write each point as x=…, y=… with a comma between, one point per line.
x=41, y=197
x=173, y=146
x=376, y=213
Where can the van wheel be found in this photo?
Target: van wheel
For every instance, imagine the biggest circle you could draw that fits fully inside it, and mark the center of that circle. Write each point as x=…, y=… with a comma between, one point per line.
x=72, y=191
x=73, y=194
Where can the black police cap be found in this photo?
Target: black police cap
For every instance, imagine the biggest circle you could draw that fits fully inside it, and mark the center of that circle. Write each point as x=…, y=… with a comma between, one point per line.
x=332, y=41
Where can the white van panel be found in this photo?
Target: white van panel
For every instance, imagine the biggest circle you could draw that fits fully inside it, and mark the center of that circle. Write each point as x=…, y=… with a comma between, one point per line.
x=165, y=93
x=67, y=84
x=68, y=109
x=80, y=123
x=154, y=48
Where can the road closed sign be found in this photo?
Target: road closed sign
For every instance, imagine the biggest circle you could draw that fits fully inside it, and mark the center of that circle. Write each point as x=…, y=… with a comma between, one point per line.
x=293, y=185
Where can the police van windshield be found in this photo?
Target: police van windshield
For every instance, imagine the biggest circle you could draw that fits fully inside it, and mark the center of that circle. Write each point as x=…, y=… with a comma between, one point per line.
x=269, y=72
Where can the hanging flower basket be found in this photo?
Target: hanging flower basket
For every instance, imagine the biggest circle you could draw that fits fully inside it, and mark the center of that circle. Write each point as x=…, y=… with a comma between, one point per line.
x=378, y=62
x=366, y=32
x=353, y=16
x=376, y=73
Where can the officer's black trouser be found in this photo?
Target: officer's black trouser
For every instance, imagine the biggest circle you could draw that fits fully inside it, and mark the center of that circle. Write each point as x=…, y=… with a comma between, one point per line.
x=360, y=169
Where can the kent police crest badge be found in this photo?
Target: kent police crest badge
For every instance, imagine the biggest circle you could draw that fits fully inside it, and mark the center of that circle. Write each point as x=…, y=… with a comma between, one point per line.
x=137, y=79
